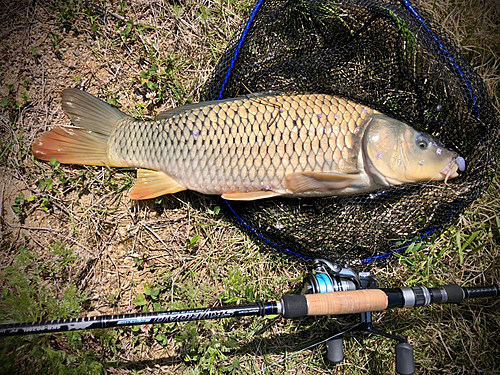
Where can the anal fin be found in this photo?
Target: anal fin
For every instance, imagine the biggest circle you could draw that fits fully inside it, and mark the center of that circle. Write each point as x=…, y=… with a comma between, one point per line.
x=152, y=184
x=302, y=182
x=250, y=195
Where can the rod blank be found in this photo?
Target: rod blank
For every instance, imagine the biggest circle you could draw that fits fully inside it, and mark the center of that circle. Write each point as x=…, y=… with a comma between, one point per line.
x=109, y=321
x=291, y=306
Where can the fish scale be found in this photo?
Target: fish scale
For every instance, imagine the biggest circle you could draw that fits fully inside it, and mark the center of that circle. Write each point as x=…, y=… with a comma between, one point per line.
x=252, y=147
x=250, y=143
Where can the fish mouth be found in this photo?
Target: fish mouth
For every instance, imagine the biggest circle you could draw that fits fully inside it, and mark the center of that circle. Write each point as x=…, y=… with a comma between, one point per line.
x=451, y=170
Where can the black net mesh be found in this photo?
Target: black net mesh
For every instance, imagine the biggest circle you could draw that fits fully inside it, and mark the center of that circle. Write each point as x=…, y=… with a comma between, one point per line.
x=388, y=55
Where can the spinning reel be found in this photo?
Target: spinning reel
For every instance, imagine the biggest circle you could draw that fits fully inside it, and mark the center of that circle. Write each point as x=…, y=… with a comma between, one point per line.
x=330, y=289
x=329, y=277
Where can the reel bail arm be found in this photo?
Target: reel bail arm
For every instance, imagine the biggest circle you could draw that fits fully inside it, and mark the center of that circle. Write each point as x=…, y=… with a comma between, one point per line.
x=345, y=292
x=330, y=290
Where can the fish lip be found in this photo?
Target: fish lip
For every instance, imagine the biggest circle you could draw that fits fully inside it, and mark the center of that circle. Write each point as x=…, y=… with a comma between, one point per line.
x=450, y=171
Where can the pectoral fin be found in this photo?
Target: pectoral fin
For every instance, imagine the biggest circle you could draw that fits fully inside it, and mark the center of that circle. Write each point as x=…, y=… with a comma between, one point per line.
x=151, y=184
x=251, y=195
x=302, y=182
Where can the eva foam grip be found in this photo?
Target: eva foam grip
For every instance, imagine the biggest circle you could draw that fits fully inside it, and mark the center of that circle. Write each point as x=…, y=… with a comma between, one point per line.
x=334, y=303
x=455, y=293
x=294, y=306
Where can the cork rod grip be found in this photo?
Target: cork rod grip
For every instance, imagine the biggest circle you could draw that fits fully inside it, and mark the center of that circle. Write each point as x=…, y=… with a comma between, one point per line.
x=350, y=302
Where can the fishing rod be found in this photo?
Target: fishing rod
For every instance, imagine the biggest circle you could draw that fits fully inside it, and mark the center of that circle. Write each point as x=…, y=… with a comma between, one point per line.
x=330, y=289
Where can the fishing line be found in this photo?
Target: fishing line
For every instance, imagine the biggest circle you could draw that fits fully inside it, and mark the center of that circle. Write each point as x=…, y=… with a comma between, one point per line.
x=422, y=237
x=309, y=347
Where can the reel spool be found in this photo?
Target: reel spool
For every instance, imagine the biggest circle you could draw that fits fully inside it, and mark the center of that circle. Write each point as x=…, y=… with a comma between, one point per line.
x=328, y=277
x=330, y=289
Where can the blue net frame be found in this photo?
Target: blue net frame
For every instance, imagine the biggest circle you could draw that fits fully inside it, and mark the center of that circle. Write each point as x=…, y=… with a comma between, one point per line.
x=332, y=32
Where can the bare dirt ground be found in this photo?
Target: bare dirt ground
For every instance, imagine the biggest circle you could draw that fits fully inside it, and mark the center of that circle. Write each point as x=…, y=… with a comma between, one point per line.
x=118, y=245
x=105, y=227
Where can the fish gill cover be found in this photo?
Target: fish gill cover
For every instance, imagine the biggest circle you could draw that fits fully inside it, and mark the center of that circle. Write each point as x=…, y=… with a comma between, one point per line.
x=391, y=56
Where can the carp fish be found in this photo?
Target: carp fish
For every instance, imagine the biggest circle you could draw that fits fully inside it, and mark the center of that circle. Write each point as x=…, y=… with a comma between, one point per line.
x=252, y=147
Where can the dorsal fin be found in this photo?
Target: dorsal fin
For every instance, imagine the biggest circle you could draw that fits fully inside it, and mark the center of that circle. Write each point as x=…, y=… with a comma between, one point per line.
x=189, y=107
x=185, y=108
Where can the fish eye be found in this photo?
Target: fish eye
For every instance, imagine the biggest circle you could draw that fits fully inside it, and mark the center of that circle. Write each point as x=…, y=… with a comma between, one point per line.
x=422, y=141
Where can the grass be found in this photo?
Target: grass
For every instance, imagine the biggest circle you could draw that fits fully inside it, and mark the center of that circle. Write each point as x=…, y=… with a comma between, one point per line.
x=73, y=244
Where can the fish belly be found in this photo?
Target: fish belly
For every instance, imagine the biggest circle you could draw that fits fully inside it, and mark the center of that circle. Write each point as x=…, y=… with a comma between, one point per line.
x=246, y=144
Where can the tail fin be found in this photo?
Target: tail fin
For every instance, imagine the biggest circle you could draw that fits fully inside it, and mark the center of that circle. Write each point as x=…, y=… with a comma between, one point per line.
x=87, y=144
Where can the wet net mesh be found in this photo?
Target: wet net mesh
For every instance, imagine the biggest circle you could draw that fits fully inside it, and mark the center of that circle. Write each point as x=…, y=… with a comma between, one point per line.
x=389, y=55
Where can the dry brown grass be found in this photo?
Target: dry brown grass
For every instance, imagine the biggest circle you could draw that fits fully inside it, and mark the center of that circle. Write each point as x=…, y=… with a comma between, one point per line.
x=122, y=245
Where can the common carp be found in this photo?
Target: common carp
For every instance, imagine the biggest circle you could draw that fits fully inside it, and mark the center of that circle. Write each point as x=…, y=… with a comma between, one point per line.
x=252, y=147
